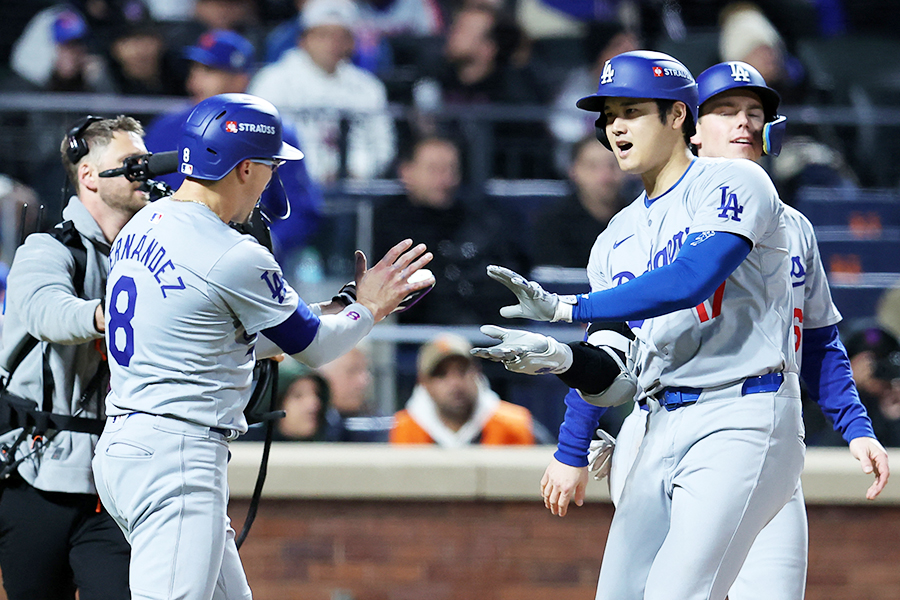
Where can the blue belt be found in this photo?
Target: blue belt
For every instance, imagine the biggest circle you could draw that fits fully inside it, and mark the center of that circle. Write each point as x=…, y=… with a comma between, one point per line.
x=676, y=397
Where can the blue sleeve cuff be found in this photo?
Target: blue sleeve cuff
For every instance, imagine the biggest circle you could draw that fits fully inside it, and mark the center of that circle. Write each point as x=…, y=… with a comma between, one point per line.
x=577, y=430
x=295, y=333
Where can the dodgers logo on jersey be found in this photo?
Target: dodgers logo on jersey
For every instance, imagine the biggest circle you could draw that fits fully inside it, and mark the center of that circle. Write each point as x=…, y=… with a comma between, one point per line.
x=608, y=73
x=276, y=285
x=739, y=73
x=730, y=204
x=798, y=271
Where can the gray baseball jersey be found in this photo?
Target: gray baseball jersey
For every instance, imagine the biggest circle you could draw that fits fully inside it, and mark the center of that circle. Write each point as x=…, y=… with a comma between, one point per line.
x=186, y=296
x=743, y=330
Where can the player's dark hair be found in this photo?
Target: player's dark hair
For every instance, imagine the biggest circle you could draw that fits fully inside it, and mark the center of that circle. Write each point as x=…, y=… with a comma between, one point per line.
x=688, y=128
x=97, y=134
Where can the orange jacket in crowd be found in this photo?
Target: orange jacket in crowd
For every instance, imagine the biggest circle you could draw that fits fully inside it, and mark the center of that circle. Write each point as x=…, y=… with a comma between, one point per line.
x=510, y=424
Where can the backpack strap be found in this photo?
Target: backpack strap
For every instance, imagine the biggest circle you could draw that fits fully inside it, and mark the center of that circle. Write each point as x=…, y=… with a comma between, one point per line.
x=42, y=420
x=66, y=234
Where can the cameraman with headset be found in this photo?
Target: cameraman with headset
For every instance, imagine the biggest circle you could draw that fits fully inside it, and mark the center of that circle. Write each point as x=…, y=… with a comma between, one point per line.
x=55, y=537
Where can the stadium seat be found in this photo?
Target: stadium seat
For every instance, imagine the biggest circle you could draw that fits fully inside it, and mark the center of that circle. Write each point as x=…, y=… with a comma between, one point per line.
x=866, y=213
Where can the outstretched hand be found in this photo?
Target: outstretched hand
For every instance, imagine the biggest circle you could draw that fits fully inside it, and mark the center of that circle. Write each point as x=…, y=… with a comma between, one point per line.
x=872, y=458
x=382, y=288
x=534, y=301
x=525, y=352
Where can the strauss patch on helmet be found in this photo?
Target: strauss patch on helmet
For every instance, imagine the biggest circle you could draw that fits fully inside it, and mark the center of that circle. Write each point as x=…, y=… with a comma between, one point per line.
x=668, y=71
x=235, y=127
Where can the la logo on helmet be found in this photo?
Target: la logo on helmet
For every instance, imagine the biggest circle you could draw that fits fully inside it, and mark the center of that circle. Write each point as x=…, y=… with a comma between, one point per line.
x=608, y=73
x=739, y=73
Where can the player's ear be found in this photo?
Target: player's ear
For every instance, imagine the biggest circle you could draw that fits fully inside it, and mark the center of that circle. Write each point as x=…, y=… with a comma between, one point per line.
x=679, y=114
x=242, y=170
x=87, y=176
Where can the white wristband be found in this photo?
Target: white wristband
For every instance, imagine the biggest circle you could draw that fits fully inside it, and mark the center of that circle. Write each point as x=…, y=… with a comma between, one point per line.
x=564, y=308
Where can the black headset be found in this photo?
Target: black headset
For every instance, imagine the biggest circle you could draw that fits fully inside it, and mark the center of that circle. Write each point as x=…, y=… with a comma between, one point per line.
x=76, y=147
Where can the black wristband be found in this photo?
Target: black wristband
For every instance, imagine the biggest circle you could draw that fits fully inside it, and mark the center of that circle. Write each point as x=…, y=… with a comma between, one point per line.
x=592, y=370
x=347, y=295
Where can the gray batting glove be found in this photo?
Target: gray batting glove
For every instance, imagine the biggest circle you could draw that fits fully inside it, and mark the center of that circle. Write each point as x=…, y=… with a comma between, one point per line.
x=600, y=455
x=525, y=352
x=534, y=301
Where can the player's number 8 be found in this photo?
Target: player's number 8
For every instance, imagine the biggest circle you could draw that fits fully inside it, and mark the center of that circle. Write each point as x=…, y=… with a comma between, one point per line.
x=121, y=332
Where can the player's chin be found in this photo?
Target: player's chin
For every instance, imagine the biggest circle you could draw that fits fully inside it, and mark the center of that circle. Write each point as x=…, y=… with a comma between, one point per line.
x=743, y=150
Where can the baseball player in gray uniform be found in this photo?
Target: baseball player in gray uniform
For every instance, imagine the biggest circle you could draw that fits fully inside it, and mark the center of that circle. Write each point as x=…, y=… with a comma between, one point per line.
x=191, y=304
x=698, y=268
x=739, y=119
x=54, y=535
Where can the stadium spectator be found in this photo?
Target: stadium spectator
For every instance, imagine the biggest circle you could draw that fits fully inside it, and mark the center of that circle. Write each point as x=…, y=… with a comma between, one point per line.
x=747, y=35
x=379, y=20
x=315, y=85
x=303, y=395
x=568, y=125
x=566, y=232
x=54, y=54
x=140, y=63
x=351, y=417
x=485, y=62
x=465, y=235
x=221, y=63
x=453, y=406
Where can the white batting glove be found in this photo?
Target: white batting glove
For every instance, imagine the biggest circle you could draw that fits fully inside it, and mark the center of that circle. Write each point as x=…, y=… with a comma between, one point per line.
x=600, y=455
x=525, y=352
x=534, y=301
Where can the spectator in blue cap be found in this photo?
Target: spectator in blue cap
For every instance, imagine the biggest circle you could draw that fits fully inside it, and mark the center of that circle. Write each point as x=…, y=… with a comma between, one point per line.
x=74, y=68
x=221, y=63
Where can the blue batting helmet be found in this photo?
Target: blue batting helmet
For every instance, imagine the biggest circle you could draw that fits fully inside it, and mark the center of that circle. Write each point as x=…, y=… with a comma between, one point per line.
x=739, y=75
x=641, y=74
x=223, y=130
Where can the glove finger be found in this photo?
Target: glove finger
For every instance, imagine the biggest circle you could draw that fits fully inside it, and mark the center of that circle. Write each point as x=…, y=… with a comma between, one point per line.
x=504, y=354
x=484, y=353
x=505, y=276
x=498, y=333
x=512, y=312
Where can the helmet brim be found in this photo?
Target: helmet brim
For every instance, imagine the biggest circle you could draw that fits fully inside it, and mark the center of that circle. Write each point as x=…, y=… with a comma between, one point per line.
x=592, y=103
x=288, y=152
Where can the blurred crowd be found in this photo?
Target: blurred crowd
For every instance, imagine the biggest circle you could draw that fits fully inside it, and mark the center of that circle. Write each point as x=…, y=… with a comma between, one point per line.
x=442, y=96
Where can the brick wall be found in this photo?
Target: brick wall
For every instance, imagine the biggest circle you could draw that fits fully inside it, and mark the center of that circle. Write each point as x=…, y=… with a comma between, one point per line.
x=379, y=550
x=406, y=550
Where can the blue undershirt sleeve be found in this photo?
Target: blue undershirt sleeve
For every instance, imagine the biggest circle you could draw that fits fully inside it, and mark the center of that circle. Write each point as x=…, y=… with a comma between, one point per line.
x=577, y=430
x=295, y=333
x=703, y=263
x=826, y=372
